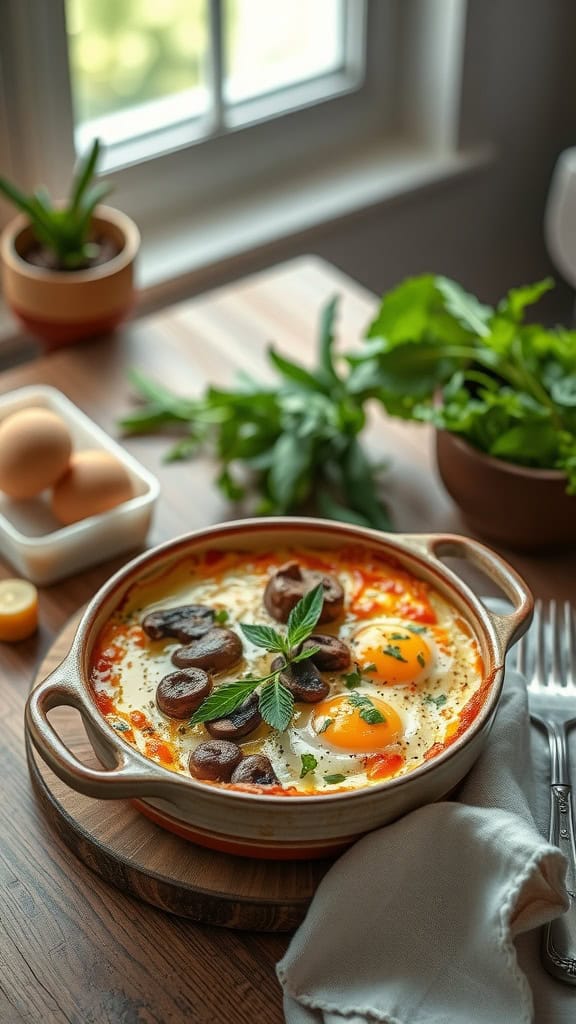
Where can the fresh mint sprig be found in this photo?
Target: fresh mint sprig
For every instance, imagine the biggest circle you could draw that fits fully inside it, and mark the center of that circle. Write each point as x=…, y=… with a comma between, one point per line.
x=276, y=703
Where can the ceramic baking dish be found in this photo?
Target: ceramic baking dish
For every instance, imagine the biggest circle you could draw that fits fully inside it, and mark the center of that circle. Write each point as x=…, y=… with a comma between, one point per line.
x=255, y=823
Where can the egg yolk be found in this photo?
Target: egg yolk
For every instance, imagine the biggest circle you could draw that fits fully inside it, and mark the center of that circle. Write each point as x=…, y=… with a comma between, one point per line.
x=392, y=654
x=356, y=722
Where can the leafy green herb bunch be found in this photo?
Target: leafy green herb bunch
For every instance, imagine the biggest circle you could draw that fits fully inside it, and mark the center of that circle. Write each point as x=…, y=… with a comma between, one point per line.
x=434, y=353
x=286, y=447
x=64, y=229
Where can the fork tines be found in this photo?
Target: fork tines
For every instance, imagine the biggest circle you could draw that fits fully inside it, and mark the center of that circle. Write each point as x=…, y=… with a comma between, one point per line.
x=547, y=652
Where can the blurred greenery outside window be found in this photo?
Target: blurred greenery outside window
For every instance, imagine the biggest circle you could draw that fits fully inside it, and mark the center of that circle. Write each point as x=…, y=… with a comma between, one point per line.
x=140, y=64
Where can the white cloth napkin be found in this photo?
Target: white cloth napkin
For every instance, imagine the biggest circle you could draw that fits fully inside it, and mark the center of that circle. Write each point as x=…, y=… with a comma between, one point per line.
x=415, y=924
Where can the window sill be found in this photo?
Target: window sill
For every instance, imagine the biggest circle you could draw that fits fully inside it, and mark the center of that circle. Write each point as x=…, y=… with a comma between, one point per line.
x=192, y=253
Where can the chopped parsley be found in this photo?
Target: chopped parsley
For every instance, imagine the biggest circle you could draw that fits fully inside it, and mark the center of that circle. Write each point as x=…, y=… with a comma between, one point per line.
x=121, y=726
x=221, y=616
x=439, y=701
x=399, y=636
x=416, y=629
x=367, y=710
x=325, y=724
x=353, y=679
x=421, y=659
x=309, y=763
x=333, y=780
x=394, y=652
x=371, y=667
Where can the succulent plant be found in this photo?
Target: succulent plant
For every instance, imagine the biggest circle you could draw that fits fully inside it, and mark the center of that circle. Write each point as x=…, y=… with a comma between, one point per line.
x=64, y=228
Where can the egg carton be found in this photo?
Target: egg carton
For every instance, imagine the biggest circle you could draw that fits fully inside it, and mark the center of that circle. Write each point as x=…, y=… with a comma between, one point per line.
x=31, y=539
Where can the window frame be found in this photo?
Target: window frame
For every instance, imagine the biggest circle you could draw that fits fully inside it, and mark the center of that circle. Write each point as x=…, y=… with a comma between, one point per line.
x=404, y=56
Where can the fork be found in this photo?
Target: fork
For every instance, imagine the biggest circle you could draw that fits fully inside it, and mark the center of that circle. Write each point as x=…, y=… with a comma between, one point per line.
x=547, y=659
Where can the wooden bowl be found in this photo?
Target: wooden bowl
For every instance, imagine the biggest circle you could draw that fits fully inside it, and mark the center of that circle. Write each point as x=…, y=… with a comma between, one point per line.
x=525, y=509
x=256, y=824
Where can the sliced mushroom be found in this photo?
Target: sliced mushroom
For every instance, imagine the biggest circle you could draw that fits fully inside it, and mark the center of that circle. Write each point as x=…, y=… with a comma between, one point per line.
x=303, y=680
x=215, y=760
x=333, y=656
x=240, y=722
x=179, y=694
x=218, y=649
x=290, y=583
x=185, y=623
x=257, y=769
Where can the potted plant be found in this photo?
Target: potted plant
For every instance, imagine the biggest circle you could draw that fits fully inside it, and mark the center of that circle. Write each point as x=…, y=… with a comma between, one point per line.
x=501, y=393
x=68, y=267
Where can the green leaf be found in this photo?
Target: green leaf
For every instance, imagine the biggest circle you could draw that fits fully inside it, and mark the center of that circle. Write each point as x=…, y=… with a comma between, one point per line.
x=303, y=655
x=331, y=509
x=290, y=466
x=264, y=636
x=325, y=724
x=293, y=371
x=84, y=173
x=327, y=318
x=393, y=651
x=333, y=780
x=353, y=679
x=276, y=705
x=309, y=763
x=465, y=307
x=517, y=299
x=304, y=616
x=438, y=701
x=361, y=487
x=367, y=711
x=225, y=699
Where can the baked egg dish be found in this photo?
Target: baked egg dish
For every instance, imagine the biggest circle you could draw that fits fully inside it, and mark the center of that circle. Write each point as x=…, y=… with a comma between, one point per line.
x=290, y=672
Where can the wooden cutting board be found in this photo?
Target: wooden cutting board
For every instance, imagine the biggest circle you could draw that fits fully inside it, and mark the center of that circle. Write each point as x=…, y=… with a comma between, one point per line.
x=126, y=849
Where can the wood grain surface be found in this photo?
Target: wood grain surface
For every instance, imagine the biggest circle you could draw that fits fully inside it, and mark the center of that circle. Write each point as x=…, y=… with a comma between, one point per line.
x=74, y=948
x=126, y=849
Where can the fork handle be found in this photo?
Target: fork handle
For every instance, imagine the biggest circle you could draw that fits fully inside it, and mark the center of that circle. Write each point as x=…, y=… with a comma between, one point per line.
x=559, y=937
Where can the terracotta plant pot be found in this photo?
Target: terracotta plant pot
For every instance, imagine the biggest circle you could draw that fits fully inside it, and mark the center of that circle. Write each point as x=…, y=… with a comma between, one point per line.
x=64, y=306
x=525, y=509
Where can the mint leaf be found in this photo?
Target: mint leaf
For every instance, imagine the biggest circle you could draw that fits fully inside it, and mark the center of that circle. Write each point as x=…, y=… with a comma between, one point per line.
x=302, y=655
x=333, y=780
x=309, y=763
x=304, y=616
x=226, y=698
x=276, y=705
x=264, y=636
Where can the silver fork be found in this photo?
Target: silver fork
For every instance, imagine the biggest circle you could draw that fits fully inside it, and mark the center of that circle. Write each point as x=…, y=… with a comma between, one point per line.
x=547, y=658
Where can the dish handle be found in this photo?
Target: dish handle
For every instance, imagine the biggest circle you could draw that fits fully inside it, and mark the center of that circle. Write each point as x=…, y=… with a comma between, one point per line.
x=125, y=779
x=509, y=627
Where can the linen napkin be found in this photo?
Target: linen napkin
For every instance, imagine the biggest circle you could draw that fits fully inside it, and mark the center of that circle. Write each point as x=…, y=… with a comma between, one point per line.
x=415, y=924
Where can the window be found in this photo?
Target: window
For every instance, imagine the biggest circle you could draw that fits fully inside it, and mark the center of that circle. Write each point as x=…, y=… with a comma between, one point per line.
x=200, y=101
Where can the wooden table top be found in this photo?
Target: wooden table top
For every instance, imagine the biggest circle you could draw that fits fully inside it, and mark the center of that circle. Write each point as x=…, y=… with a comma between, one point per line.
x=72, y=949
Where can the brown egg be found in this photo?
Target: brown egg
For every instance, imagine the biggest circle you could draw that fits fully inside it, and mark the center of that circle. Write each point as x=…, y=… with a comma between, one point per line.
x=35, y=447
x=94, y=482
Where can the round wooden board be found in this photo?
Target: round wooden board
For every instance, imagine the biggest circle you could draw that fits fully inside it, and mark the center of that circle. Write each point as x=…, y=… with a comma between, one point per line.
x=121, y=845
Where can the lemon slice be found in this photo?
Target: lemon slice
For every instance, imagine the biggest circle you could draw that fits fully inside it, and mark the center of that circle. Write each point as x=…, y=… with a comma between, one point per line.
x=18, y=609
